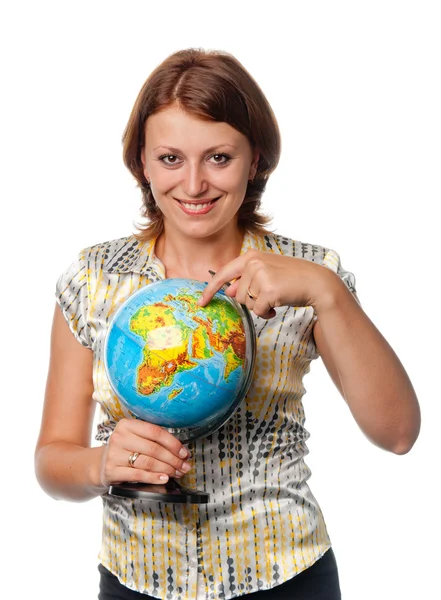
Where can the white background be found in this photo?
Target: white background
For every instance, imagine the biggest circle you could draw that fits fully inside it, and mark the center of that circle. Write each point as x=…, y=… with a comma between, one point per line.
x=356, y=89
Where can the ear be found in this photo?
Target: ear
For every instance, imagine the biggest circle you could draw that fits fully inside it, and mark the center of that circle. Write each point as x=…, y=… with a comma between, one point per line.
x=254, y=163
x=146, y=175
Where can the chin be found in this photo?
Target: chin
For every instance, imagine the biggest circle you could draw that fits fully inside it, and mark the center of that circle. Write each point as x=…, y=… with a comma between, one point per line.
x=200, y=233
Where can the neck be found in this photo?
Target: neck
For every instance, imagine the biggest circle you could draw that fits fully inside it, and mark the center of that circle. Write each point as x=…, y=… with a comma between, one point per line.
x=192, y=258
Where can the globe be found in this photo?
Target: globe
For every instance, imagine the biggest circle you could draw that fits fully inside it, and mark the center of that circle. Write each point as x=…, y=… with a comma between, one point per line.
x=176, y=364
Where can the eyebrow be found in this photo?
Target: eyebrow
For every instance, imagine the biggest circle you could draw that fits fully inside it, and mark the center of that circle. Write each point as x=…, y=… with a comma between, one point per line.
x=211, y=149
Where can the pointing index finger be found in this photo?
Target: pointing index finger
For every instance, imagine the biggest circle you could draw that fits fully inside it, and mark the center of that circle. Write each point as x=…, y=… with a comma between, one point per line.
x=219, y=282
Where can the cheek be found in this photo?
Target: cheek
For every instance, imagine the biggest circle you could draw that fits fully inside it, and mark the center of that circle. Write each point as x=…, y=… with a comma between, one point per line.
x=164, y=180
x=231, y=179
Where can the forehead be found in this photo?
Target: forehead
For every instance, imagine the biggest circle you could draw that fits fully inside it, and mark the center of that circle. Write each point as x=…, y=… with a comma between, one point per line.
x=173, y=126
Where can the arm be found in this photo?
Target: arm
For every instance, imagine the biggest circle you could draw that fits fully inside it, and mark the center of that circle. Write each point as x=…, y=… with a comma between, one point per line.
x=66, y=466
x=359, y=360
x=365, y=369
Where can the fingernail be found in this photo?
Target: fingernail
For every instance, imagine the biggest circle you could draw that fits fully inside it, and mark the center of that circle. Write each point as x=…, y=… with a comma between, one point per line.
x=186, y=467
x=178, y=474
x=163, y=477
x=183, y=452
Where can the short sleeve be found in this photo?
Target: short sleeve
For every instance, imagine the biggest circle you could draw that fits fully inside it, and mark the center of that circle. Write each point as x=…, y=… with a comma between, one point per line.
x=73, y=298
x=333, y=262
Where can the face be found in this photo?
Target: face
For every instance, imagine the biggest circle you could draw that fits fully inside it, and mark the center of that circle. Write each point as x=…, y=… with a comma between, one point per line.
x=198, y=171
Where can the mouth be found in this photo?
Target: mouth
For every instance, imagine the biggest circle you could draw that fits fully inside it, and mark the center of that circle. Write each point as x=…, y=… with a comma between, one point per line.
x=199, y=207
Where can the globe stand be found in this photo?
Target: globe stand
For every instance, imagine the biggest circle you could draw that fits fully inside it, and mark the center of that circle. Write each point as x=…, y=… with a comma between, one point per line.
x=171, y=491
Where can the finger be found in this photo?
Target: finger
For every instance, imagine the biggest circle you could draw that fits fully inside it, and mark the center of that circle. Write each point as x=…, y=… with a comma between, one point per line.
x=263, y=310
x=246, y=300
x=230, y=271
x=149, y=431
x=259, y=303
x=246, y=289
x=231, y=290
x=116, y=469
x=153, y=465
x=130, y=474
x=152, y=449
x=255, y=299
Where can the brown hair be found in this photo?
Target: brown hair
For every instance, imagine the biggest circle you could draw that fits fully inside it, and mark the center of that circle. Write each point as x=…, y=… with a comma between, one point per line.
x=211, y=85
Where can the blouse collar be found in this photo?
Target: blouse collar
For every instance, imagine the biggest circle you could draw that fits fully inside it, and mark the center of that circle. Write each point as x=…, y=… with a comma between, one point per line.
x=134, y=256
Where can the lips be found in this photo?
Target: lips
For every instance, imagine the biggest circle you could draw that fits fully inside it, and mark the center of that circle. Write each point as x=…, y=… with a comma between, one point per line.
x=199, y=207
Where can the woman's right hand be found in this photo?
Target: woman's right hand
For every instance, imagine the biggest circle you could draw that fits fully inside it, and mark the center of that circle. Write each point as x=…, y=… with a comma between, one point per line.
x=161, y=455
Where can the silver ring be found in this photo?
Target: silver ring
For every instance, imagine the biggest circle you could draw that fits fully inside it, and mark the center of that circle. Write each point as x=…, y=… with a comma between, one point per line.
x=132, y=458
x=250, y=295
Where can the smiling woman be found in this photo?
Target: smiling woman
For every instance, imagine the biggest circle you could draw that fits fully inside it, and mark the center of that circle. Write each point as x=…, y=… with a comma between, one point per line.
x=199, y=190
x=212, y=88
x=201, y=142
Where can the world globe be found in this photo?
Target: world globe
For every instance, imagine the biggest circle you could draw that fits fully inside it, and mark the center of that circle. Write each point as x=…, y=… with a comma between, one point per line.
x=176, y=364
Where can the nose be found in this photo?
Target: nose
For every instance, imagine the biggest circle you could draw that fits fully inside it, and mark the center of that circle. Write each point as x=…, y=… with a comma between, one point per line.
x=195, y=182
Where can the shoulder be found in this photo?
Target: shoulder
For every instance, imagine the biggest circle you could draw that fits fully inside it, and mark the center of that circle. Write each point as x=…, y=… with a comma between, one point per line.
x=321, y=255
x=107, y=256
x=281, y=244
x=105, y=251
x=121, y=255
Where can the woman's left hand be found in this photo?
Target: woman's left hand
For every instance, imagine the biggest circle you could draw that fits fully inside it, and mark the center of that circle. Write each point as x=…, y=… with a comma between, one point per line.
x=263, y=281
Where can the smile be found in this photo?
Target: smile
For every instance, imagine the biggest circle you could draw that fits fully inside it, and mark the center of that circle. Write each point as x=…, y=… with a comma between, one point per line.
x=199, y=208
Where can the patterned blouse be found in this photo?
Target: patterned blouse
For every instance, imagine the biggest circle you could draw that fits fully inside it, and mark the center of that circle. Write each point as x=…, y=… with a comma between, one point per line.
x=262, y=525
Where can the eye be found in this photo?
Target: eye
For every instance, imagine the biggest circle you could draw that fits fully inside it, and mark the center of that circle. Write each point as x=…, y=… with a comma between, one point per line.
x=225, y=159
x=172, y=159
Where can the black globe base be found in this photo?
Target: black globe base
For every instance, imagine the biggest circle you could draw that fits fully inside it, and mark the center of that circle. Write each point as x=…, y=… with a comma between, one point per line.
x=171, y=491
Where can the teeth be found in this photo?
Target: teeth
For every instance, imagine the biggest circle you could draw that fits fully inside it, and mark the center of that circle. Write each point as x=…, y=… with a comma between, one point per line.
x=195, y=207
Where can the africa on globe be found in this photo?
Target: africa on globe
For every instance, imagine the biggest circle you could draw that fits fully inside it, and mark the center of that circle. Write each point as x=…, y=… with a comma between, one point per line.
x=176, y=364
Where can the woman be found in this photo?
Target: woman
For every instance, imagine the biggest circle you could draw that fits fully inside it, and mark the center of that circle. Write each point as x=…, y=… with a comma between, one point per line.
x=201, y=142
